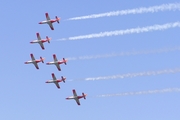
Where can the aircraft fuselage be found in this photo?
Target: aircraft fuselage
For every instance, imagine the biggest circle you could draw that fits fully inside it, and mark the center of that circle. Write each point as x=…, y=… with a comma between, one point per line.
x=32, y=61
x=52, y=81
x=47, y=21
x=75, y=97
x=55, y=62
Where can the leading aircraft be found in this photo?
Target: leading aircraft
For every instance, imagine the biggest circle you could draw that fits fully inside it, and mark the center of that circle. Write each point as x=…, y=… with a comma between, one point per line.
x=35, y=61
x=50, y=21
x=57, y=62
x=41, y=41
x=56, y=81
x=76, y=97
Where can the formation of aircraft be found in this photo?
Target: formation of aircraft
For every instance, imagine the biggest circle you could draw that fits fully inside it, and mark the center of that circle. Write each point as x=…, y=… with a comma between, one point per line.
x=35, y=61
x=56, y=62
x=76, y=97
x=56, y=81
x=50, y=21
x=41, y=41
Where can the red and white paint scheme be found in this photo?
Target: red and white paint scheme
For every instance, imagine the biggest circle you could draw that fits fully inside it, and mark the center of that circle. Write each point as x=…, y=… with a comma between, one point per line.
x=41, y=41
x=50, y=21
x=76, y=97
x=56, y=81
x=57, y=62
x=34, y=61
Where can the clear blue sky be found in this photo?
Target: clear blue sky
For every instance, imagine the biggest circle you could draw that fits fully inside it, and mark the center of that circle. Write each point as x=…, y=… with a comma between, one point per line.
x=24, y=95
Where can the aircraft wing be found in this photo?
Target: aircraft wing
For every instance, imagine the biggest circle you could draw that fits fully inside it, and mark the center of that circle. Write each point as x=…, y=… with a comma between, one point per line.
x=53, y=76
x=41, y=44
x=56, y=83
x=77, y=101
x=51, y=25
x=32, y=56
x=38, y=36
x=74, y=92
x=47, y=16
x=58, y=67
x=36, y=65
x=55, y=58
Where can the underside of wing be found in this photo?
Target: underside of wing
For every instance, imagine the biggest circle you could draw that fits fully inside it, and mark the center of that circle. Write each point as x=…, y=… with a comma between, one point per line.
x=36, y=65
x=41, y=44
x=38, y=36
x=53, y=76
x=47, y=16
x=77, y=101
x=51, y=25
x=58, y=67
x=74, y=92
x=55, y=58
x=57, y=85
x=32, y=56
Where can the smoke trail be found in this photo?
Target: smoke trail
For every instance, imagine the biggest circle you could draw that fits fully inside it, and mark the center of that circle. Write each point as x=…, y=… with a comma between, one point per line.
x=123, y=32
x=130, y=75
x=124, y=54
x=152, y=9
x=141, y=92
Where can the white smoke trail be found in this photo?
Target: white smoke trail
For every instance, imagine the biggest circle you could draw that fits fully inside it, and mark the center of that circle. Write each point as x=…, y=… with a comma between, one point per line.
x=124, y=54
x=141, y=92
x=123, y=32
x=130, y=75
x=152, y=9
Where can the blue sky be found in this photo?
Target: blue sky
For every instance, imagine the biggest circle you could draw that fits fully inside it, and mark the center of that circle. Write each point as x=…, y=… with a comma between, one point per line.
x=24, y=93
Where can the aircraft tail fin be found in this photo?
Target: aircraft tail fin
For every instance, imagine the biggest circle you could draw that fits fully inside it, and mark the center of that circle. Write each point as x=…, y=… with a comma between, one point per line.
x=65, y=61
x=48, y=39
x=84, y=95
x=63, y=79
x=42, y=59
x=57, y=19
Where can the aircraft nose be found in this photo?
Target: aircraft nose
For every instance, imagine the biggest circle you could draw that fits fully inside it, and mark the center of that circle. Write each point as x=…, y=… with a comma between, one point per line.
x=46, y=81
x=40, y=22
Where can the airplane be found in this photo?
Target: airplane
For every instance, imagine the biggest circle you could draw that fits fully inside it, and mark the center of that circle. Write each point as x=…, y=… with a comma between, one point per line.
x=57, y=62
x=56, y=81
x=76, y=97
x=50, y=21
x=34, y=61
x=41, y=41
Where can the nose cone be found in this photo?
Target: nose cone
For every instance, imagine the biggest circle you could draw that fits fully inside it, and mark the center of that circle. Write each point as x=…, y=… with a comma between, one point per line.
x=40, y=22
x=25, y=62
x=31, y=42
x=47, y=63
x=46, y=81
